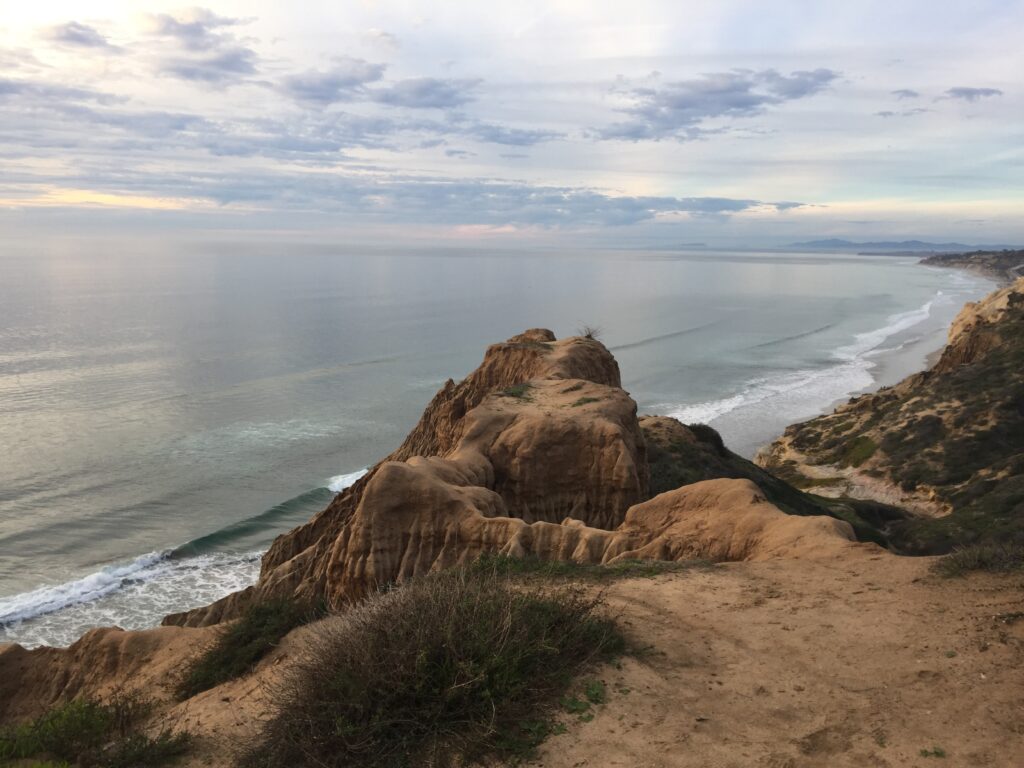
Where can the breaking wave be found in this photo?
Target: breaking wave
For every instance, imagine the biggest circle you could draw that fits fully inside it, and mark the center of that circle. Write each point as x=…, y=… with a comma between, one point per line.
x=137, y=594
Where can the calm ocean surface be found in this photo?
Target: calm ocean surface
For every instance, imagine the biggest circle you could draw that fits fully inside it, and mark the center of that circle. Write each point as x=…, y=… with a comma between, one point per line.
x=164, y=415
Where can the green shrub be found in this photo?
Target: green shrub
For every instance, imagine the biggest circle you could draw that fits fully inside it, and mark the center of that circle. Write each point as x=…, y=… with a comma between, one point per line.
x=90, y=734
x=452, y=669
x=243, y=643
x=140, y=751
x=585, y=401
x=709, y=436
x=995, y=558
x=858, y=451
x=518, y=391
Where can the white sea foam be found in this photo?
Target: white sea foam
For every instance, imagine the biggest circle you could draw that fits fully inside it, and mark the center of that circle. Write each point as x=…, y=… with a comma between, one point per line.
x=49, y=599
x=341, y=482
x=132, y=595
x=866, y=342
x=135, y=596
x=791, y=392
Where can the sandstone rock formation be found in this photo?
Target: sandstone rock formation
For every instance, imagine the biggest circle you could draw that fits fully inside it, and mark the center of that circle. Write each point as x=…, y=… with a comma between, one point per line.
x=538, y=451
x=101, y=662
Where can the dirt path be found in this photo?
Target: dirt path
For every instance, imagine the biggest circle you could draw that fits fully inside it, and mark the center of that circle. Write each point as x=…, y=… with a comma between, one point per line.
x=865, y=660
x=860, y=659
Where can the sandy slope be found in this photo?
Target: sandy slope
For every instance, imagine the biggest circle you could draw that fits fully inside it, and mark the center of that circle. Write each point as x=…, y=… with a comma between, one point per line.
x=864, y=660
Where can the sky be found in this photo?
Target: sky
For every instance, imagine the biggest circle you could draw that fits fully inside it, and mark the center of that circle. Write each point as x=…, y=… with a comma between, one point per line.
x=641, y=124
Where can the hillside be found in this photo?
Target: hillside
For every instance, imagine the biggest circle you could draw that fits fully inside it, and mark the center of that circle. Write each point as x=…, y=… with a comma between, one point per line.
x=947, y=443
x=837, y=244
x=1002, y=265
x=539, y=435
x=753, y=627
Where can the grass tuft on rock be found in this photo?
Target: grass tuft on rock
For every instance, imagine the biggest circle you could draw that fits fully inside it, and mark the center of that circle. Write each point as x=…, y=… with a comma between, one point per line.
x=243, y=643
x=518, y=391
x=457, y=668
x=89, y=734
x=993, y=558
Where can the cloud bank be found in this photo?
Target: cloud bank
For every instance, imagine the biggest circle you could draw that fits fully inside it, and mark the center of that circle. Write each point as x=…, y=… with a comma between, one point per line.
x=534, y=117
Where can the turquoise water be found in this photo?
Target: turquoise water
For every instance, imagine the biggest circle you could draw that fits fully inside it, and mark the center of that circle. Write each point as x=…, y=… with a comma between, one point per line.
x=165, y=414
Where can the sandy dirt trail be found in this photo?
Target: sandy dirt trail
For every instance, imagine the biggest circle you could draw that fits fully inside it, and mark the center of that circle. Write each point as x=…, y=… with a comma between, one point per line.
x=863, y=660
x=859, y=659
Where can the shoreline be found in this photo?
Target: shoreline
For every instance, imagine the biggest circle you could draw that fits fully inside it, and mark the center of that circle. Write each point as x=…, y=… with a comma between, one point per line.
x=758, y=398
x=843, y=477
x=750, y=454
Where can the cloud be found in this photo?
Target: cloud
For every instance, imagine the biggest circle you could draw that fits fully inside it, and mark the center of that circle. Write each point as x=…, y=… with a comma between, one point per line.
x=196, y=29
x=76, y=35
x=903, y=113
x=218, y=68
x=30, y=93
x=382, y=38
x=343, y=82
x=905, y=93
x=460, y=153
x=678, y=109
x=492, y=133
x=798, y=84
x=385, y=198
x=427, y=93
x=972, y=94
x=206, y=52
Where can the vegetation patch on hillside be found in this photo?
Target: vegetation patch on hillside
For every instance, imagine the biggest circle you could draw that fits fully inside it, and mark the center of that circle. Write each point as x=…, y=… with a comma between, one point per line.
x=953, y=435
x=677, y=462
x=992, y=558
x=518, y=391
x=457, y=668
x=243, y=643
x=89, y=734
x=858, y=451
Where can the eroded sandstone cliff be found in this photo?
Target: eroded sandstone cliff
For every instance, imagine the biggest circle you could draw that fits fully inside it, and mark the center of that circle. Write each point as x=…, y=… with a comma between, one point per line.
x=947, y=443
x=538, y=451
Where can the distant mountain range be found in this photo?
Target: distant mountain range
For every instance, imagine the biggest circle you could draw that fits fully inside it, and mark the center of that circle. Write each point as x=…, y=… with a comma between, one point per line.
x=835, y=244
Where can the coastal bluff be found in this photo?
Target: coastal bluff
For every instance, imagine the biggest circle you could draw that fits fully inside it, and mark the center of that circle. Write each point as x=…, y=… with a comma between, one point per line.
x=946, y=444
x=538, y=452
x=801, y=646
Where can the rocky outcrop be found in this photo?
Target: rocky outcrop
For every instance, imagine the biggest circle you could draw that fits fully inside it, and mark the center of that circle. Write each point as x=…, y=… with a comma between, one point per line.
x=947, y=444
x=1004, y=266
x=976, y=329
x=540, y=431
x=101, y=662
x=539, y=451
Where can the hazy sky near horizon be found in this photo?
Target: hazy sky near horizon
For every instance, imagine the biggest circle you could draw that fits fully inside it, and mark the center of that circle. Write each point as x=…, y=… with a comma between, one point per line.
x=596, y=122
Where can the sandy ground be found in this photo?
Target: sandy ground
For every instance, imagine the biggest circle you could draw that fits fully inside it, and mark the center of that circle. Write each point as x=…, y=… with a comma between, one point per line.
x=864, y=660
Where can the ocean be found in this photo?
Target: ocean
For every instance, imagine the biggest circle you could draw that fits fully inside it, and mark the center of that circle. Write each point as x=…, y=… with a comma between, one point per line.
x=166, y=410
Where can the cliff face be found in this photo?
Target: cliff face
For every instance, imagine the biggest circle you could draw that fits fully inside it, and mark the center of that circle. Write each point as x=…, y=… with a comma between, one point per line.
x=947, y=443
x=540, y=431
x=538, y=451
x=1004, y=266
